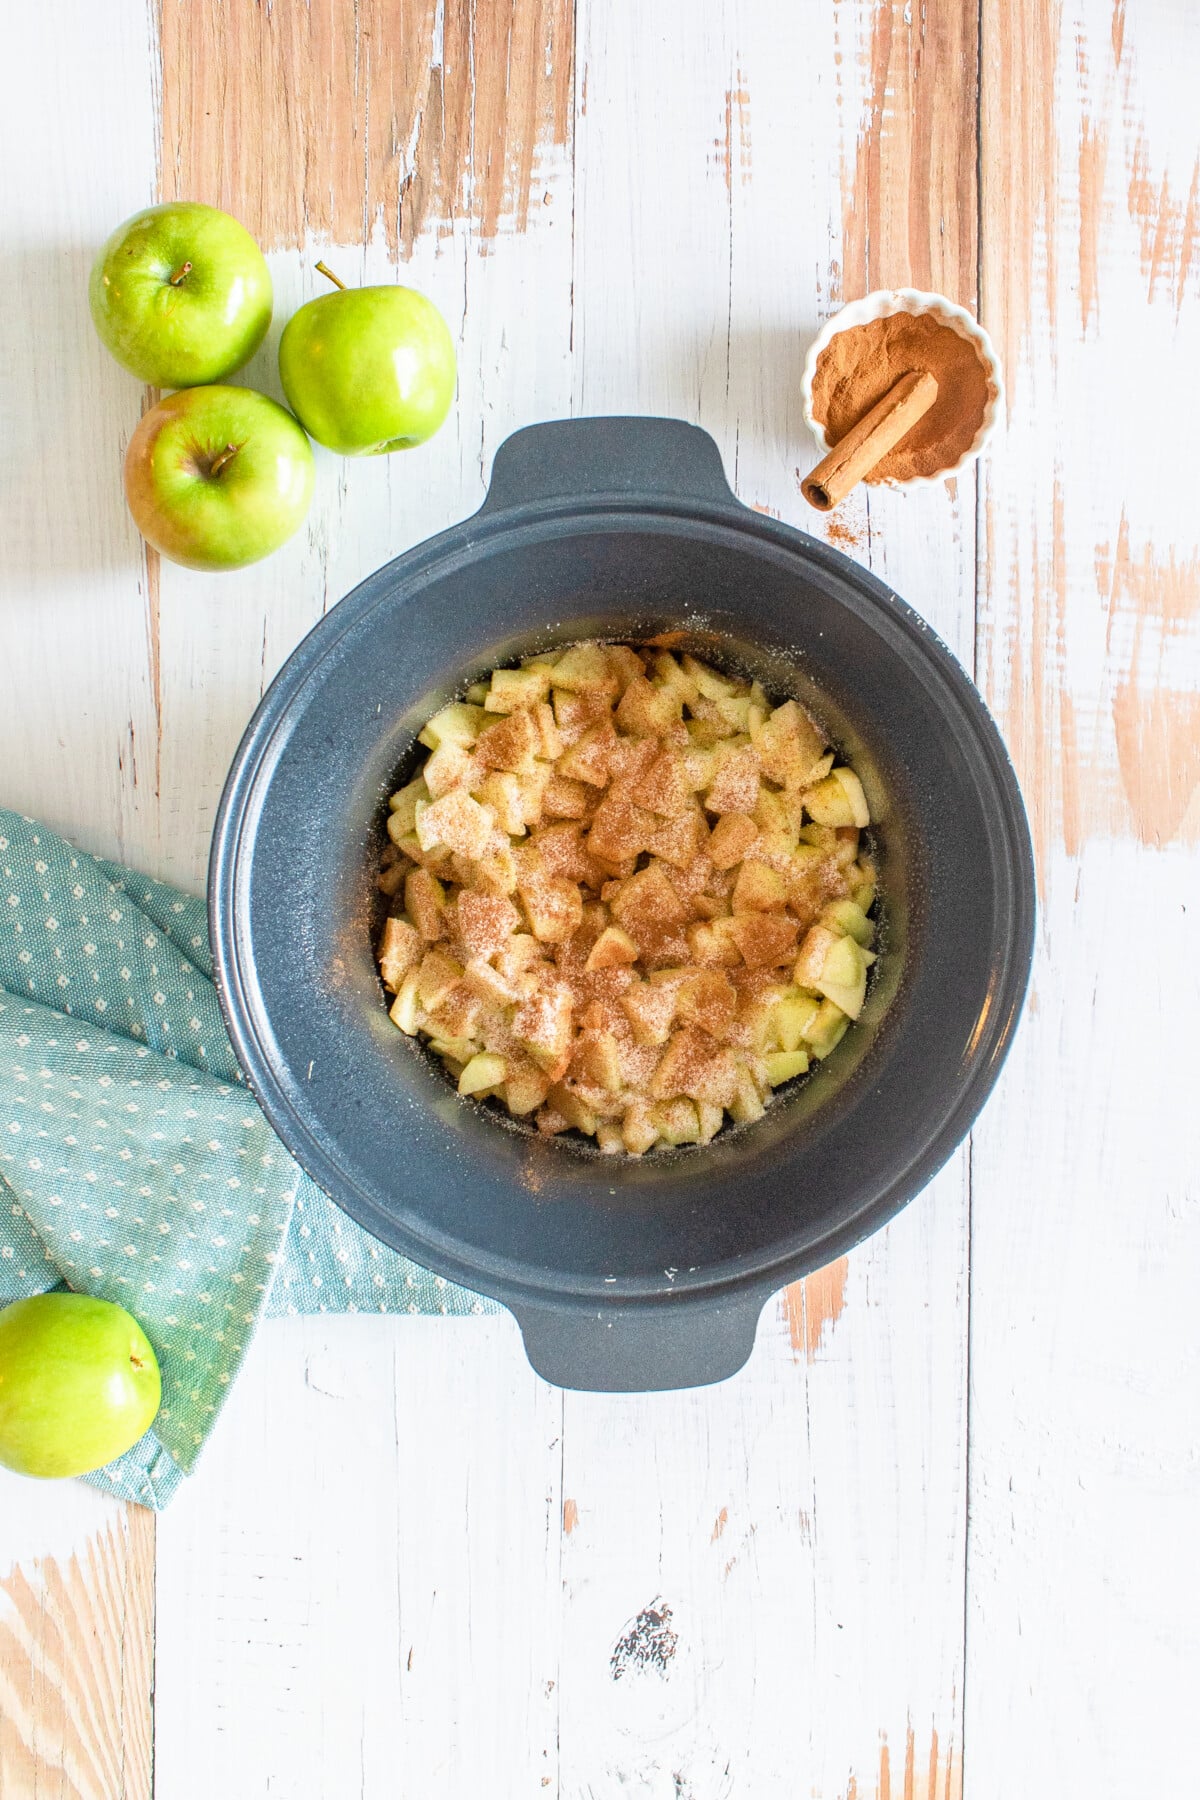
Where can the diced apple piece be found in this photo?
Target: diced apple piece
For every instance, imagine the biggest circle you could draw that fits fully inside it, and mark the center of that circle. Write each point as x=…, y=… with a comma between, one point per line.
x=393, y=879
x=638, y=1131
x=764, y=939
x=458, y=723
x=542, y=1023
x=613, y=949
x=863, y=890
x=457, y=1012
x=648, y=905
x=791, y=1017
x=449, y=766
x=573, y=1109
x=511, y=743
x=650, y=1009
x=484, y=1072
x=818, y=942
x=591, y=758
x=476, y=694
x=645, y=710
x=789, y=745
x=435, y=977
x=490, y=984
x=663, y=787
x=437, y=859
x=403, y=807
x=553, y=906
x=711, y=1120
x=713, y=943
x=735, y=785
x=827, y=1029
x=859, y=810
x=521, y=960
x=746, y=1105
x=735, y=710
x=671, y=678
x=708, y=723
x=677, y=1122
x=624, y=662
x=785, y=1065
x=525, y=1086
x=695, y=1066
x=566, y=799
x=706, y=680
x=585, y=668
x=458, y=822
x=680, y=841
x=597, y=1061
x=845, y=916
x=550, y=744
x=758, y=888
x=574, y=713
x=531, y=788
x=406, y=1006
x=843, y=977
x=496, y=870
x=425, y=904
x=707, y=998
x=733, y=836
x=512, y=689
x=502, y=792
x=486, y=922
x=455, y=1052
x=400, y=949
x=620, y=830
x=828, y=803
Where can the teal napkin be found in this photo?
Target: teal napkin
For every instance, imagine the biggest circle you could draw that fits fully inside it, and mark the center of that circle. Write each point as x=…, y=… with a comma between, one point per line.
x=134, y=1163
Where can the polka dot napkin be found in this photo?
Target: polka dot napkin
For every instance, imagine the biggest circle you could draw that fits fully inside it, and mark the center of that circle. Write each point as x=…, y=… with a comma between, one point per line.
x=134, y=1163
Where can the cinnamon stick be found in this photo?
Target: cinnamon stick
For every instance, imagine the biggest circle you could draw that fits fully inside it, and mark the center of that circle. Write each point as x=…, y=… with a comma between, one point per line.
x=869, y=441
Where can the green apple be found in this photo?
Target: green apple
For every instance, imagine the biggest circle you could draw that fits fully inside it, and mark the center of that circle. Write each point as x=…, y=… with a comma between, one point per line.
x=79, y=1384
x=181, y=295
x=368, y=370
x=218, y=476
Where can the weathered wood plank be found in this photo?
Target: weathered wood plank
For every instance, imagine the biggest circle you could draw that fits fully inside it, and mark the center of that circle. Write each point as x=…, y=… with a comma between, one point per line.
x=76, y=1643
x=358, y=1590
x=77, y=723
x=1083, y=1566
x=804, y=1526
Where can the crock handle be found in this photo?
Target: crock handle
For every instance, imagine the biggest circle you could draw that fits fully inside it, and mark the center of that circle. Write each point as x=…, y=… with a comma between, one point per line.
x=580, y=459
x=632, y=1350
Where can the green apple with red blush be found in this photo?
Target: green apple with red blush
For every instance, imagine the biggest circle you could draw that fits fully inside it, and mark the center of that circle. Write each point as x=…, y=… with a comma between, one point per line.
x=368, y=370
x=217, y=477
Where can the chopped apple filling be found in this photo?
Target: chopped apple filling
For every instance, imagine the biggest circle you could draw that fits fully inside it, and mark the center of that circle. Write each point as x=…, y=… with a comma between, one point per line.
x=629, y=896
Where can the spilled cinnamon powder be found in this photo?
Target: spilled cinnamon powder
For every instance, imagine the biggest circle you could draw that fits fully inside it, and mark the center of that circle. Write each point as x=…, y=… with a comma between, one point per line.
x=862, y=364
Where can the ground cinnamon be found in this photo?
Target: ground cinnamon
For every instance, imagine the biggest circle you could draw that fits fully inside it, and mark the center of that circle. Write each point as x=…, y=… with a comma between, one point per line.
x=859, y=366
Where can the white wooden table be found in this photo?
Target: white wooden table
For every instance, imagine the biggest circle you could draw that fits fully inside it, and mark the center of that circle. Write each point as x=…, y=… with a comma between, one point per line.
x=941, y=1535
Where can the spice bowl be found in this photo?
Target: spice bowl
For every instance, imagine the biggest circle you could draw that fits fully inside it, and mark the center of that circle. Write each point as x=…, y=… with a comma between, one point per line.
x=886, y=303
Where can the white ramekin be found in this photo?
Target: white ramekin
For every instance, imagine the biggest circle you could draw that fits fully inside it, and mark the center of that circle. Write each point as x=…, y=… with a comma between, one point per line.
x=881, y=305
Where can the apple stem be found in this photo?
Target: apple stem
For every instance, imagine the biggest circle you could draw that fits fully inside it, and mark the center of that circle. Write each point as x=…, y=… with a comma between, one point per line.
x=227, y=455
x=336, y=280
x=181, y=271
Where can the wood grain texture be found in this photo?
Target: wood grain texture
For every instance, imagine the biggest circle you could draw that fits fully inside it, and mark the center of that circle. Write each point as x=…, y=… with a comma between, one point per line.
x=1085, y=1398
x=338, y=120
x=77, y=1659
x=910, y=206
